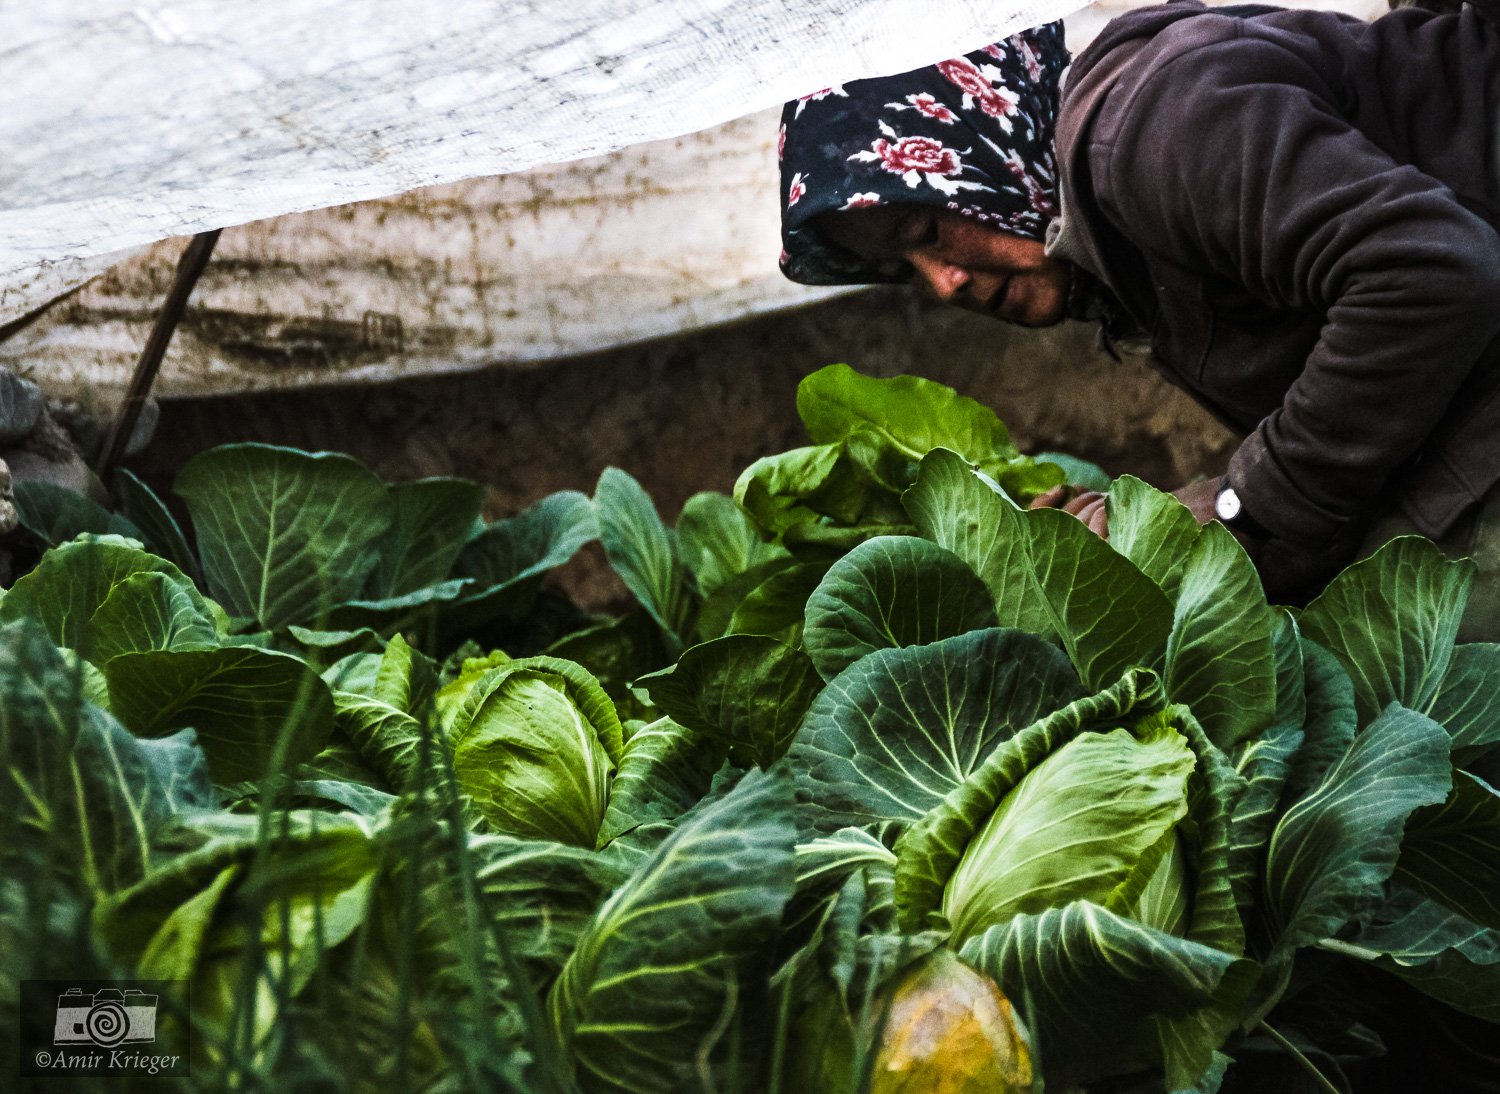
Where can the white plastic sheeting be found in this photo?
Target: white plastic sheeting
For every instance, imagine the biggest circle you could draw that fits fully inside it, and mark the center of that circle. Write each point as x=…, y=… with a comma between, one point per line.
x=129, y=121
x=508, y=270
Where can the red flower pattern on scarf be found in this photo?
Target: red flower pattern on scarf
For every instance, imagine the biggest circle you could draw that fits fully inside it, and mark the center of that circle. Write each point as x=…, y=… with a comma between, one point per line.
x=965, y=75
x=972, y=134
x=932, y=108
x=917, y=154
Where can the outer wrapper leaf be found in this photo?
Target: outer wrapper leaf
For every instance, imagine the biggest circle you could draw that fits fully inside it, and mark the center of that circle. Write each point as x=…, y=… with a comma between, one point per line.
x=392, y=614
x=82, y=792
x=896, y=732
x=1265, y=763
x=54, y=514
x=1091, y=982
x=718, y=541
x=432, y=519
x=150, y=612
x=671, y=952
x=387, y=723
x=284, y=535
x=73, y=582
x=250, y=707
x=1221, y=658
x=1329, y=724
x=748, y=692
x=541, y=896
x=914, y=414
x=778, y=604
x=1152, y=529
x=888, y=425
x=891, y=591
x=617, y=652
x=506, y=558
x=1451, y=852
x=266, y=923
x=1109, y=615
x=839, y=927
x=1391, y=620
x=1439, y=951
x=1190, y=1039
x=957, y=509
x=159, y=528
x=1467, y=702
x=387, y=739
x=800, y=485
x=643, y=551
x=666, y=769
x=825, y=865
x=1333, y=851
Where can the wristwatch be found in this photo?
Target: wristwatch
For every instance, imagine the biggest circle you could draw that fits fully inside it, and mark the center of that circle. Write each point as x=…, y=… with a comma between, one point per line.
x=1231, y=510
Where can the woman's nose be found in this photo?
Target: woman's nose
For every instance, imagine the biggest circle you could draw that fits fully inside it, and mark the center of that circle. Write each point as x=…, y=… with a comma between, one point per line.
x=942, y=279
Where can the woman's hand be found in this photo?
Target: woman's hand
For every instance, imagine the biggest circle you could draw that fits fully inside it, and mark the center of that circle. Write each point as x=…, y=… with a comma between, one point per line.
x=1089, y=506
x=1092, y=507
x=1199, y=498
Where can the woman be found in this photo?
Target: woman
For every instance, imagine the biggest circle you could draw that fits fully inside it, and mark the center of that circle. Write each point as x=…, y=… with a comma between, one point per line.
x=1297, y=209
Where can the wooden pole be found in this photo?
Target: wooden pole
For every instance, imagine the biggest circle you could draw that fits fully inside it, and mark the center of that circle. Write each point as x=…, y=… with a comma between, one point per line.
x=189, y=268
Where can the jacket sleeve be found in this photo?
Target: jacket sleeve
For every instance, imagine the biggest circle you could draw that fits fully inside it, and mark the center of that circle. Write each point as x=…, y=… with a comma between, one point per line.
x=1231, y=161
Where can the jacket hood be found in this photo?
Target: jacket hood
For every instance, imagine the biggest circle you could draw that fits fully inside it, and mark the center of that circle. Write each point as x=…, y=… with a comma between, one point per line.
x=1143, y=23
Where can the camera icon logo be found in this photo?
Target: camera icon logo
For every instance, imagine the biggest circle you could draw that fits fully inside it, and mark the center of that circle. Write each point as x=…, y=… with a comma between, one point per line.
x=107, y=1018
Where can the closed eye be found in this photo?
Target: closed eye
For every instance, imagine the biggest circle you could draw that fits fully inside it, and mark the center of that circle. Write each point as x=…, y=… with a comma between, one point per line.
x=918, y=229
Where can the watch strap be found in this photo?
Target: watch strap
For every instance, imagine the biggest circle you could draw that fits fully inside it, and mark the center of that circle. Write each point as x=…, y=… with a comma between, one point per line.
x=1242, y=521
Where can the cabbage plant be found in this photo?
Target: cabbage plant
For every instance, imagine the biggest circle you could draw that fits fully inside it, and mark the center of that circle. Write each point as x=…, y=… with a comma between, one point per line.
x=1085, y=865
x=1078, y=853
x=539, y=752
x=1006, y=763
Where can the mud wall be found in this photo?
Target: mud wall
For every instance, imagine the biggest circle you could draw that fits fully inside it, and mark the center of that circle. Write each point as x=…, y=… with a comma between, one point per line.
x=688, y=413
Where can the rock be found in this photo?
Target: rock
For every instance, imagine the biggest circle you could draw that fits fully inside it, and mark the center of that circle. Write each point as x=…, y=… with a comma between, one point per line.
x=20, y=406
x=88, y=425
x=69, y=472
x=50, y=454
x=145, y=427
x=8, y=516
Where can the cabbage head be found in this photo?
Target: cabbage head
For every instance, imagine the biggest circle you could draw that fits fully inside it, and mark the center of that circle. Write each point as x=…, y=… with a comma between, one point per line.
x=536, y=743
x=539, y=752
x=1084, y=865
x=1096, y=820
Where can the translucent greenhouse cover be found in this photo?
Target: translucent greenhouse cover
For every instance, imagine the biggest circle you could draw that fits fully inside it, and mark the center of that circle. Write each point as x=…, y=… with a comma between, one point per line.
x=128, y=122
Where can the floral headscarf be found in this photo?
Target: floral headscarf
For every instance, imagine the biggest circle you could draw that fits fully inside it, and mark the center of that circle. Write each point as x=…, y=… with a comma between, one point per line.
x=973, y=134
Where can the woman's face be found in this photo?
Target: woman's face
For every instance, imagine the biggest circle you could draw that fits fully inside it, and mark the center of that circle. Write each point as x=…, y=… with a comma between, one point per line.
x=957, y=260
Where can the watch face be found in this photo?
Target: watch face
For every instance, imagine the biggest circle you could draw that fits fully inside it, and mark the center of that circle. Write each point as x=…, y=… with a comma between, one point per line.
x=1227, y=504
